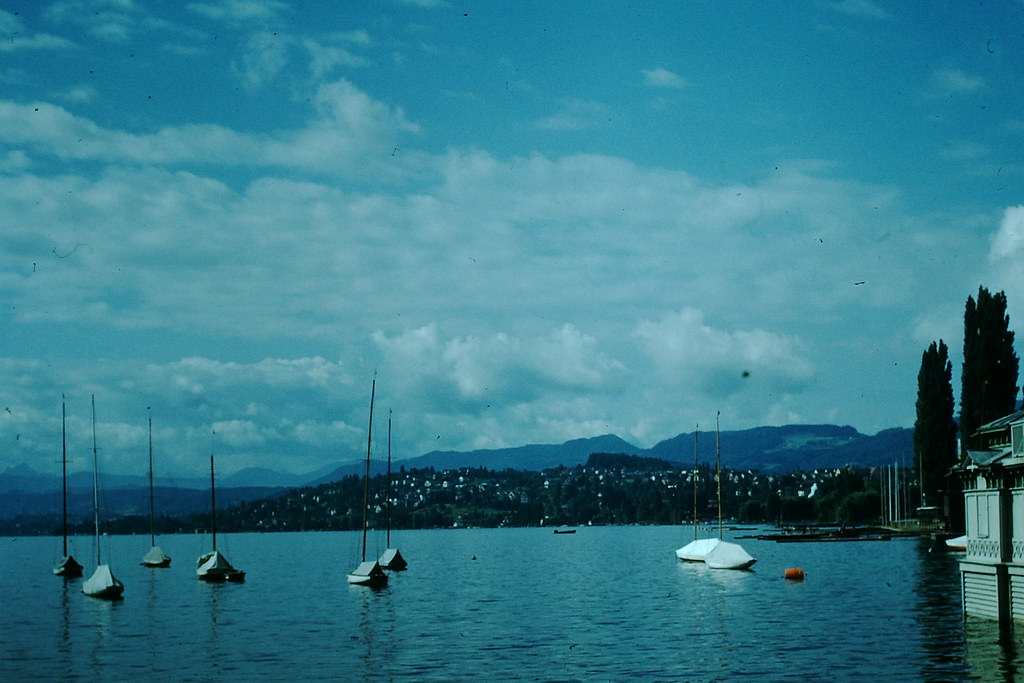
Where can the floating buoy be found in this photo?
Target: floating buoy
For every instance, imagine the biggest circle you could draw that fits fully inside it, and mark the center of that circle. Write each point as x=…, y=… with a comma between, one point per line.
x=794, y=574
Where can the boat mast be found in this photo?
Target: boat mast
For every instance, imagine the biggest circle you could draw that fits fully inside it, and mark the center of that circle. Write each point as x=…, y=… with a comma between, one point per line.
x=95, y=483
x=388, y=499
x=718, y=472
x=213, y=497
x=366, y=478
x=695, y=433
x=64, y=468
x=152, y=534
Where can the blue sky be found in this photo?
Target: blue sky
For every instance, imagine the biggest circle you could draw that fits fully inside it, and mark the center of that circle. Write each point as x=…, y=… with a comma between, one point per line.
x=533, y=221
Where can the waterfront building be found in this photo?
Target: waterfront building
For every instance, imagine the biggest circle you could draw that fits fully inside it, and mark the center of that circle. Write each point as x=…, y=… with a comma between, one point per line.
x=992, y=473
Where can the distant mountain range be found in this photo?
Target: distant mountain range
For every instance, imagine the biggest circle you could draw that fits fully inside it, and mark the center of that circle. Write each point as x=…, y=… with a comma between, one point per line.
x=763, y=449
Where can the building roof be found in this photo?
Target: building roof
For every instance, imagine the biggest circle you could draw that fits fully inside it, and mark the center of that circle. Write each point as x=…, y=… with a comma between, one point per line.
x=1002, y=422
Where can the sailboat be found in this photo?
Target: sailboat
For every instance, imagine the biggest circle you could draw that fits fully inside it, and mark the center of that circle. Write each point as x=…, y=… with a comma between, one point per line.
x=102, y=583
x=391, y=559
x=67, y=566
x=725, y=555
x=213, y=567
x=697, y=549
x=369, y=572
x=155, y=557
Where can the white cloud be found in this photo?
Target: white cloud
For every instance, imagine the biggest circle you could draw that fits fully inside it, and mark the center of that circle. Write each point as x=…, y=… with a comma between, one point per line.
x=662, y=78
x=690, y=352
x=951, y=81
x=240, y=11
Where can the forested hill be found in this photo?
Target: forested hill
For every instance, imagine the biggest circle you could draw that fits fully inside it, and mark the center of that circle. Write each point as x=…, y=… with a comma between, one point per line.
x=762, y=449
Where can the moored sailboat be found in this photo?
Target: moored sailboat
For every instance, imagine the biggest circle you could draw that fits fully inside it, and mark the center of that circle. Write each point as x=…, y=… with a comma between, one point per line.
x=391, y=558
x=213, y=567
x=155, y=557
x=716, y=553
x=725, y=555
x=697, y=549
x=369, y=572
x=102, y=583
x=67, y=566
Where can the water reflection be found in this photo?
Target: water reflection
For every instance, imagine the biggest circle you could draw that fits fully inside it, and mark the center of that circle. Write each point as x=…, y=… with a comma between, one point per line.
x=994, y=651
x=937, y=587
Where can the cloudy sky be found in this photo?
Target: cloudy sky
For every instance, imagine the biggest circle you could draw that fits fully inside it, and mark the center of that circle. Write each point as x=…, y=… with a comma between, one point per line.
x=533, y=221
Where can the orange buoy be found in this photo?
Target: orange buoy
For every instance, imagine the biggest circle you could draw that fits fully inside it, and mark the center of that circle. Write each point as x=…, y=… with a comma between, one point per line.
x=794, y=574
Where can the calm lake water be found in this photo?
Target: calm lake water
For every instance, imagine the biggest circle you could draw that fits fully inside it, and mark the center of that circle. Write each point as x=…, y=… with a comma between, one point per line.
x=606, y=603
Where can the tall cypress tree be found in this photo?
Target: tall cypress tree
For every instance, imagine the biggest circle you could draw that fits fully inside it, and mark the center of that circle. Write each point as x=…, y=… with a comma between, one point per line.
x=935, y=428
x=989, y=380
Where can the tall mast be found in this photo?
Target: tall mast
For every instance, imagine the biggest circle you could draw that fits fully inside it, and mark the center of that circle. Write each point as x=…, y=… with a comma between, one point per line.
x=95, y=483
x=695, y=432
x=366, y=479
x=388, y=499
x=718, y=470
x=213, y=497
x=152, y=534
x=64, y=467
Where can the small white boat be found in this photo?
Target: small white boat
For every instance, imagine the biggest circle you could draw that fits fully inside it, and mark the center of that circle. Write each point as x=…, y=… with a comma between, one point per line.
x=67, y=566
x=102, y=583
x=727, y=555
x=391, y=559
x=368, y=573
x=155, y=557
x=959, y=543
x=213, y=567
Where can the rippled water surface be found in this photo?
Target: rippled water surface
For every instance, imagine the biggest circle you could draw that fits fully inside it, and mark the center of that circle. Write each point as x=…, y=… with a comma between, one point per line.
x=608, y=603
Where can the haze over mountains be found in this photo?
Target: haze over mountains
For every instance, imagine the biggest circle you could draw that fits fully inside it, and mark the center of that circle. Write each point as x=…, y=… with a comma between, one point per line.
x=764, y=449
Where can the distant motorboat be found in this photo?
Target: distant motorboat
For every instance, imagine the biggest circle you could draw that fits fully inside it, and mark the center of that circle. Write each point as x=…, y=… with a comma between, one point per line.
x=102, y=584
x=368, y=573
x=565, y=531
x=67, y=566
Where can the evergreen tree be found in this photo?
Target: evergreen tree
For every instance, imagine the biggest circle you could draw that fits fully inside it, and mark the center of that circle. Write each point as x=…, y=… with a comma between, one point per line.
x=935, y=428
x=989, y=380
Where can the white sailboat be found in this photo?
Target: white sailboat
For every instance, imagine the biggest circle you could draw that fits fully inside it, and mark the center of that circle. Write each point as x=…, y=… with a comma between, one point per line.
x=67, y=566
x=697, y=549
x=155, y=557
x=716, y=553
x=213, y=567
x=391, y=558
x=369, y=572
x=102, y=583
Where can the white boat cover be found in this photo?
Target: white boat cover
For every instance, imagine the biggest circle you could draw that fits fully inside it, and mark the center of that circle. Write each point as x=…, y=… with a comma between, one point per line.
x=392, y=559
x=368, y=573
x=216, y=566
x=156, y=558
x=103, y=584
x=696, y=551
x=727, y=555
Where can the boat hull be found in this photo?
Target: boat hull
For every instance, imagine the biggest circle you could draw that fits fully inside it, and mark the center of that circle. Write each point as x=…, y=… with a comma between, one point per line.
x=729, y=556
x=392, y=559
x=68, y=567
